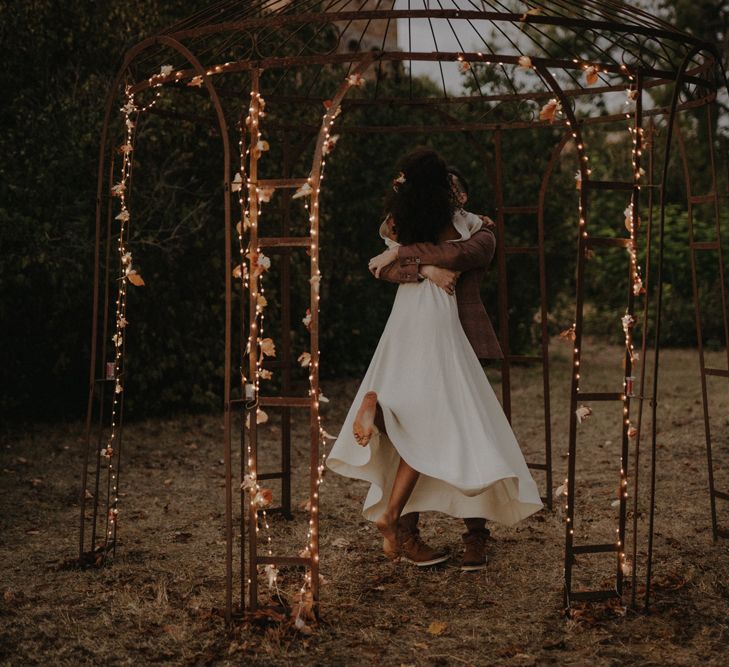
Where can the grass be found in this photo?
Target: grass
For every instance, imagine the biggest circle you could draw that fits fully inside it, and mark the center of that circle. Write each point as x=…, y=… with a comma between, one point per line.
x=161, y=598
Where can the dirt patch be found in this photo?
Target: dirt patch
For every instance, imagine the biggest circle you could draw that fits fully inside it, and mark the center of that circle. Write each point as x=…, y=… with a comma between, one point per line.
x=160, y=600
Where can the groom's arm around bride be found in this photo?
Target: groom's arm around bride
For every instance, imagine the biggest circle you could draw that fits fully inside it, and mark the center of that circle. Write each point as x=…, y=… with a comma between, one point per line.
x=469, y=258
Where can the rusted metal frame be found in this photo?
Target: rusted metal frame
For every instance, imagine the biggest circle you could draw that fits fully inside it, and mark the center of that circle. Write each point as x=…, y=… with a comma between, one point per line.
x=254, y=350
x=460, y=45
x=243, y=341
x=477, y=127
x=120, y=423
x=101, y=395
x=579, y=304
x=314, y=423
x=507, y=17
x=215, y=99
x=104, y=144
x=344, y=58
x=680, y=78
x=198, y=120
x=614, y=43
x=505, y=35
x=382, y=48
x=699, y=328
x=717, y=219
x=643, y=351
x=129, y=57
x=628, y=354
x=553, y=160
x=503, y=307
x=310, y=40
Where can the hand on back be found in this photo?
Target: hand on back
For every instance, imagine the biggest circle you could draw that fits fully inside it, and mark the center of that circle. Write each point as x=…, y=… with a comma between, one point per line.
x=443, y=278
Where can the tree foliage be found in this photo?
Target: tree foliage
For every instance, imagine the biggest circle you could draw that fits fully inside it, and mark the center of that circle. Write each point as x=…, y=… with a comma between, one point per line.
x=58, y=64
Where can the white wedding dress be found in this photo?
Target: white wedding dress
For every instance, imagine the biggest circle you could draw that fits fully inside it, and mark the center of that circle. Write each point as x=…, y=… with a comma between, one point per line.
x=441, y=416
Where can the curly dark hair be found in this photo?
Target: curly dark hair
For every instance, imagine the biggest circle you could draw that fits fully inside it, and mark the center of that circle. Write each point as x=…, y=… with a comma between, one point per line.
x=422, y=206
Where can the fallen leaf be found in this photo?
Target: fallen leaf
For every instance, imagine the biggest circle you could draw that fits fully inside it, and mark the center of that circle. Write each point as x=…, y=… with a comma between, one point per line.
x=196, y=81
x=437, y=628
x=525, y=62
x=304, y=359
x=341, y=542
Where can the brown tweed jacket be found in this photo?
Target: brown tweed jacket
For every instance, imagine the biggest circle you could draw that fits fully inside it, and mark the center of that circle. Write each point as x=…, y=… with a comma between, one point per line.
x=472, y=258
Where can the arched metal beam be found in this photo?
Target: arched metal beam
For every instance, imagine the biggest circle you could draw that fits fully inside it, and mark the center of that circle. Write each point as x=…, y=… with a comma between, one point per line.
x=130, y=56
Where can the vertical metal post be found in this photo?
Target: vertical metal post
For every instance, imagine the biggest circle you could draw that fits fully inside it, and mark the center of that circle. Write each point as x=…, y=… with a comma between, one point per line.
x=254, y=348
x=502, y=280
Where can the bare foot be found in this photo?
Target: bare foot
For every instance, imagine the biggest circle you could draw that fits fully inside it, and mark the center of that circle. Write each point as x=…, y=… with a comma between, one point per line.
x=365, y=418
x=388, y=527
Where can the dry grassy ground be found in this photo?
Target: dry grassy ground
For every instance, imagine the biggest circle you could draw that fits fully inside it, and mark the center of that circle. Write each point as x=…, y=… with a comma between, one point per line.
x=160, y=599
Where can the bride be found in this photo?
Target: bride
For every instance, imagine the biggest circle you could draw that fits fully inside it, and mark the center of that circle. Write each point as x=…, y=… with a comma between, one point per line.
x=443, y=442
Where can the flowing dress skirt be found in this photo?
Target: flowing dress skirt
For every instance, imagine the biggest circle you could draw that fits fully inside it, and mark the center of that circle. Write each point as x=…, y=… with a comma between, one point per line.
x=442, y=417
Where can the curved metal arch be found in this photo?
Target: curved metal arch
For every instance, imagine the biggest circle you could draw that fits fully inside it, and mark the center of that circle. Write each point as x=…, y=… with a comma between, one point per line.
x=286, y=62
x=576, y=134
x=104, y=146
x=659, y=300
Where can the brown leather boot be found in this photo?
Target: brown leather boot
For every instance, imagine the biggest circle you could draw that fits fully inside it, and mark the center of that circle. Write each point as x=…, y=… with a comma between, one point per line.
x=475, y=557
x=413, y=550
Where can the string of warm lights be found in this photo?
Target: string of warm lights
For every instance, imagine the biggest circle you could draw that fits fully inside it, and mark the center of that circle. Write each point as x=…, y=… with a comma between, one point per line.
x=114, y=370
x=548, y=112
x=260, y=497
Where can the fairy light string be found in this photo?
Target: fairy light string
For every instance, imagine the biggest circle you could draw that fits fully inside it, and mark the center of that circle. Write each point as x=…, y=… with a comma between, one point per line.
x=632, y=221
x=250, y=276
x=127, y=274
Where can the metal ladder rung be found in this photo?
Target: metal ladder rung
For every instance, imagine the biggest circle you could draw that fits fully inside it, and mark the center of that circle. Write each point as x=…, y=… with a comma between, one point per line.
x=593, y=241
x=704, y=245
x=610, y=185
x=282, y=560
x=600, y=396
x=284, y=401
x=594, y=548
x=281, y=182
x=537, y=466
x=525, y=357
x=702, y=199
x=521, y=249
x=588, y=596
x=284, y=242
x=721, y=494
x=270, y=475
x=719, y=372
x=520, y=209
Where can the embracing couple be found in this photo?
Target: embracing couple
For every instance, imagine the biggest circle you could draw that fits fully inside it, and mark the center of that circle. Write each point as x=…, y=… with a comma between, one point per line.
x=425, y=428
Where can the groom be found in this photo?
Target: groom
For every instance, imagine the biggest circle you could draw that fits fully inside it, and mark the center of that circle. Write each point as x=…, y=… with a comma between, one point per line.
x=454, y=267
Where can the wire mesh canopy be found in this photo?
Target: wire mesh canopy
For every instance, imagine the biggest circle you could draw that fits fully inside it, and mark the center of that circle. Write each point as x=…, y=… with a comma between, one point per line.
x=482, y=41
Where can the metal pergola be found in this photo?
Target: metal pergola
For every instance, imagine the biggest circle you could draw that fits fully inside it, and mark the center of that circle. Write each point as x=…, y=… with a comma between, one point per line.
x=308, y=63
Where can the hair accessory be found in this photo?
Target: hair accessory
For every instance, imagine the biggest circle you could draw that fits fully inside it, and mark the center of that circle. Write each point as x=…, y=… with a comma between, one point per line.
x=398, y=181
